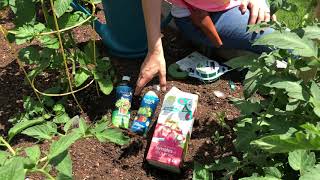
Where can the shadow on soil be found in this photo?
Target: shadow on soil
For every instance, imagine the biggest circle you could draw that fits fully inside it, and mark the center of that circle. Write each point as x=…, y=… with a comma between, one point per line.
x=12, y=91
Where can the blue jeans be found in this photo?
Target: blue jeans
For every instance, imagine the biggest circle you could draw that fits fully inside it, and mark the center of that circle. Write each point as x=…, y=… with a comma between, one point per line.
x=232, y=27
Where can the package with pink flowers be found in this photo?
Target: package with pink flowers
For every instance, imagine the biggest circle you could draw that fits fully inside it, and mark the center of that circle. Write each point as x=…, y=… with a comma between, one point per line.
x=173, y=130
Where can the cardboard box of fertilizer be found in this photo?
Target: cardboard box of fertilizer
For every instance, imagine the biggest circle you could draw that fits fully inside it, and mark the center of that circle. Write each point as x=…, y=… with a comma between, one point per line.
x=173, y=130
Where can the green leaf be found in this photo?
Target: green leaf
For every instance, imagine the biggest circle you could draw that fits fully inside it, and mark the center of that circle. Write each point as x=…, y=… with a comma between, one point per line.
x=61, y=6
x=26, y=33
x=33, y=153
x=49, y=41
x=31, y=106
x=311, y=129
x=29, y=55
x=42, y=65
x=61, y=118
x=97, y=1
x=12, y=4
x=315, y=98
x=23, y=125
x=71, y=123
x=272, y=172
x=112, y=135
x=260, y=178
x=230, y=163
x=68, y=20
x=13, y=170
x=81, y=76
x=242, y=61
x=106, y=85
x=89, y=52
x=289, y=40
x=288, y=142
x=63, y=144
x=313, y=174
x=245, y=132
x=312, y=32
x=100, y=126
x=59, y=108
x=3, y=3
x=251, y=81
x=25, y=12
x=201, y=173
x=258, y=27
x=103, y=68
x=49, y=101
x=64, y=166
x=82, y=127
x=43, y=131
x=294, y=89
x=301, y=160
x=83, y=58
x=246, y=107
x=4, y=155
x=292, y=105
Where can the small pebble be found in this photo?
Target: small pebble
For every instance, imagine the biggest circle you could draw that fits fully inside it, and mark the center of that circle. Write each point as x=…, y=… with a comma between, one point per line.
x=219, y=94
x=230, y=117
x=208, y=142
x=206, y=154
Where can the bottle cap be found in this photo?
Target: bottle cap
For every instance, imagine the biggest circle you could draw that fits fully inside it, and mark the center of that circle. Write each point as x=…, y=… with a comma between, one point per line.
x=126, y=78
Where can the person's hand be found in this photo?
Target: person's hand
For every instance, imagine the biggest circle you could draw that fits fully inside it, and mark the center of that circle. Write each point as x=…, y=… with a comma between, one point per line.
x=259, y=11
x=154, y=64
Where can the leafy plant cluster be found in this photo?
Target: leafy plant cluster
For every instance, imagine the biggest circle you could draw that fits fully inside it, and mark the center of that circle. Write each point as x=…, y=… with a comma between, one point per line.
x=46, y=27
x=59, y=131
x=278, y=132
x=51, y=49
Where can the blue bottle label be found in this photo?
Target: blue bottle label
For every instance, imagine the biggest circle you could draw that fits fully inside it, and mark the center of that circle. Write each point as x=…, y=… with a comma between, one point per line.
x=121, y=114
x=143, y=119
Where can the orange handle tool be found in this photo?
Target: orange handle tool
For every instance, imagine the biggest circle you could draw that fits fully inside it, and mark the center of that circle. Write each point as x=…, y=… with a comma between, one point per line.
x=201, y=19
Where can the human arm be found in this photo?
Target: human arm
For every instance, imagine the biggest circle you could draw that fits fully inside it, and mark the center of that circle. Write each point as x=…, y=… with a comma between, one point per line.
x=154, y=63
x=259, y=11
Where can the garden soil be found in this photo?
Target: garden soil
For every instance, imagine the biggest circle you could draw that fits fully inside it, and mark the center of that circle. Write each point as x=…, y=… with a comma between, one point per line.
x=95, y=160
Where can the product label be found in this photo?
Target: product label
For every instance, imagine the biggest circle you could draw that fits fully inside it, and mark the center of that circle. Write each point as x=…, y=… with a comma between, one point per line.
x=143, y=119
x=173, y=129
x=121, y=114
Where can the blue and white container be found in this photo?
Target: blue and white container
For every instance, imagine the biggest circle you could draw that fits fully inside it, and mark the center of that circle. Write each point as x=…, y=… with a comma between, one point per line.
x=142, y=121
x=121, y=114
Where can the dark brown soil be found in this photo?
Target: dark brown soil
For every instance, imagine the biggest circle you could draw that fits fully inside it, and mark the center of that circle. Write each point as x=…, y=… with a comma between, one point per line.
x=95, y=160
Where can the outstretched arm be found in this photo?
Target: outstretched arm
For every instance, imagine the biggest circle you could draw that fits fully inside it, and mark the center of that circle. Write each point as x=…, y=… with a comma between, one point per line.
x=154, y=63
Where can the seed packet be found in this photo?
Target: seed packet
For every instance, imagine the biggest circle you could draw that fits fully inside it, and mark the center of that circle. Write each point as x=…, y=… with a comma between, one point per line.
x=172, y=133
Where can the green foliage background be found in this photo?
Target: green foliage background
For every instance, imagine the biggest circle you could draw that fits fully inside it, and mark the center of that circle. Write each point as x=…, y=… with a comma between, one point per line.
x=293, y=19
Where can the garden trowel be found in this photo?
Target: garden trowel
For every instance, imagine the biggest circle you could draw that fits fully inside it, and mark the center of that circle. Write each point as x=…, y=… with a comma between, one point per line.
x=201, y=19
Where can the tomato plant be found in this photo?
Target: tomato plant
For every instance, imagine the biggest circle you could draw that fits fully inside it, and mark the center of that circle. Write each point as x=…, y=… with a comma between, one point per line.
x=44, y=26
x=278, y=133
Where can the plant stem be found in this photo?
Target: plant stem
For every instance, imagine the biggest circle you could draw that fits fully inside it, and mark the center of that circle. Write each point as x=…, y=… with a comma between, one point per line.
x=45, y=165
x=43, y=159
x=7, y=145
x=95, y=56
x=64, y=55
x=44, y=11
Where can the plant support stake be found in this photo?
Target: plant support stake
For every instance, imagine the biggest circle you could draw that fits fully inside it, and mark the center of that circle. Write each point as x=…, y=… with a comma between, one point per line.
x=64, y=55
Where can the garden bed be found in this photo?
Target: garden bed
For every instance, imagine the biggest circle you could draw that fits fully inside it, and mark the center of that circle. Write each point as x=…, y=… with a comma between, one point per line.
x=95, y=160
